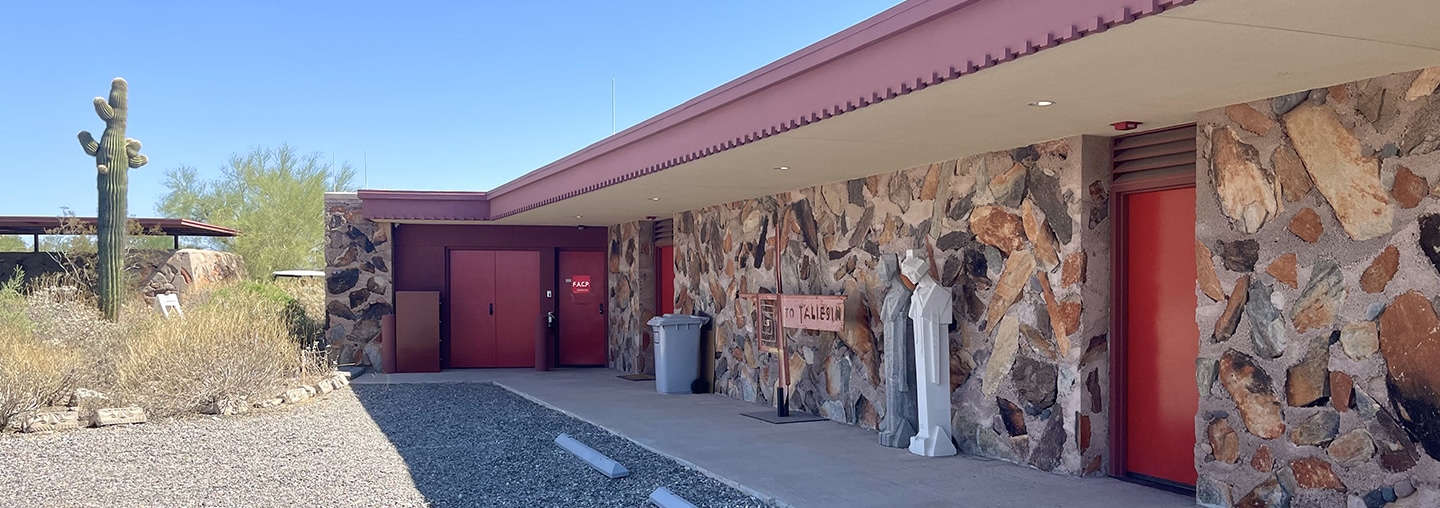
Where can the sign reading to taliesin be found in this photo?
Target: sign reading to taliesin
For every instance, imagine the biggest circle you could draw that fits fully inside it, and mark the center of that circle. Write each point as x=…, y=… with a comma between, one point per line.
x=800, y=312
x=810, y=312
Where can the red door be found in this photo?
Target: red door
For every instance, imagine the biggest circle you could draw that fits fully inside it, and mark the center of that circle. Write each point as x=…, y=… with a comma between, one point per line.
x=494, y=306
x=666, y=294
x=583, y=295
x=517, y=307
x=472, y=308
x=1161, y=337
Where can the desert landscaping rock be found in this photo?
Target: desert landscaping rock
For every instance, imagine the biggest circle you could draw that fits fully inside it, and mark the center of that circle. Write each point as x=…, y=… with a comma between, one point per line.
x=118, y=416
x=294, y=395
x=51, y=421
x=374, y=446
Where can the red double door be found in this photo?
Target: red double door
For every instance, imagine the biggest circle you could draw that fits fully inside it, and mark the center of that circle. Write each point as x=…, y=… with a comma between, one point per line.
x=1161, y=337
x=495, y=308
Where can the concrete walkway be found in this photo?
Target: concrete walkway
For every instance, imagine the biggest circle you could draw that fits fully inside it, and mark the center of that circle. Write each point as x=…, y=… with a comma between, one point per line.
x=798, y=464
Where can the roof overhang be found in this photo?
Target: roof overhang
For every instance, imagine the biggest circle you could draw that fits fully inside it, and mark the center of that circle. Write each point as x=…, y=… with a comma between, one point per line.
x=152, y=226
x=424, y=206
x=930, y=80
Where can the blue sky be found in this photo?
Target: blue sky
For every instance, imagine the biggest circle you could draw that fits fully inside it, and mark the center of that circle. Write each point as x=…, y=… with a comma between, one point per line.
x=428, y=95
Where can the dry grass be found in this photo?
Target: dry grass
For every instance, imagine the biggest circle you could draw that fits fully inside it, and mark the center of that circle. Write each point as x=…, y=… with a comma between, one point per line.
x=245, y=341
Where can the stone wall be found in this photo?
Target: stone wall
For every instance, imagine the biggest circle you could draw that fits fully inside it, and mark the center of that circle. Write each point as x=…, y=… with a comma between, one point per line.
x=358, y=284
x=632, y=296
x=1012, y=234
x=187, y=270
x=1319, y=244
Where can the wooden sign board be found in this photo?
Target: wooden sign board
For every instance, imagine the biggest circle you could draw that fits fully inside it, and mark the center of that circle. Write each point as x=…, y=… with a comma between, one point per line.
x=800, y=312
x=811, y=312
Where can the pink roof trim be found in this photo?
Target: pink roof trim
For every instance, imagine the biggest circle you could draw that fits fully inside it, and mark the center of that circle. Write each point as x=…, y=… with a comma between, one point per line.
x=901, y=50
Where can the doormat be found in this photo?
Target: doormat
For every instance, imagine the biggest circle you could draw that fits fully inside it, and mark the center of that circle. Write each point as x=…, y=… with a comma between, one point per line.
x=638, y=377
x=795, y=417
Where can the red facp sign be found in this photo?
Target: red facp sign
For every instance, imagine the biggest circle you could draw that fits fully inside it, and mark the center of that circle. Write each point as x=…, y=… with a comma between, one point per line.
x=580, y=285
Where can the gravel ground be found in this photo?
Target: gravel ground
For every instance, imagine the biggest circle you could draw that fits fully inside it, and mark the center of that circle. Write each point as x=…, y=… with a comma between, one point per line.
x=370, y=445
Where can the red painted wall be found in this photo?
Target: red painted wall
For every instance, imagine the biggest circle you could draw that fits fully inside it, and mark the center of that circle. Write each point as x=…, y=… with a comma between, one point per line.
x=419, y=251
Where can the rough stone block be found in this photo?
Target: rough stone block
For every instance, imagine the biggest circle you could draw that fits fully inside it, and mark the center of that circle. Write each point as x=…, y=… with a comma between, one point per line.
x=50, y=421
x=295, y=395
x=118, y=416
x=225, y=407
x=324, y=386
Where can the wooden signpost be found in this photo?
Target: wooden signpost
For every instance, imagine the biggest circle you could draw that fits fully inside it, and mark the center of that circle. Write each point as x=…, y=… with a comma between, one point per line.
x=774, y=312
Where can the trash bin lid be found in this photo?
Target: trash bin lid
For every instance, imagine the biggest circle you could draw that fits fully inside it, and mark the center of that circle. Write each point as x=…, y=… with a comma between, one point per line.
x=677, y=319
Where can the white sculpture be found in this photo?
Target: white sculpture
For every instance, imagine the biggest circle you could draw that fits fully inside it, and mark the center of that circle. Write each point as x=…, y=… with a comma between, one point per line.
x=930, y=308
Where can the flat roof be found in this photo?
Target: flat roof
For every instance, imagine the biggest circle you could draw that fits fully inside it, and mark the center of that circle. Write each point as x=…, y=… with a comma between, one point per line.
x=36, y=225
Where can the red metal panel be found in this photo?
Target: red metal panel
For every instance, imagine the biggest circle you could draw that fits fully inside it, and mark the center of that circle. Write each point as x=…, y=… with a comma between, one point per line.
x=1161, y=337
x=417, y=331
x=517, y=303
x=582, y=314
x=667, y=280
x=472, y=315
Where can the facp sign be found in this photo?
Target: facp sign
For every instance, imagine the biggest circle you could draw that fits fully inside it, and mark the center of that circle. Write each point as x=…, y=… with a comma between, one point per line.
x=580, y=285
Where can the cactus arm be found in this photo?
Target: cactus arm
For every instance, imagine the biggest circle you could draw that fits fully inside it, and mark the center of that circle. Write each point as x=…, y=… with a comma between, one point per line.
x=88, y=143
x=138, y=160
x=119, y=91
x=132, y=147
x=103, y=109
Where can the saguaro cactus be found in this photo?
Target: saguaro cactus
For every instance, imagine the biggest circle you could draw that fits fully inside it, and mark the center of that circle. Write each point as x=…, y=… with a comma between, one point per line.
x=114, y=155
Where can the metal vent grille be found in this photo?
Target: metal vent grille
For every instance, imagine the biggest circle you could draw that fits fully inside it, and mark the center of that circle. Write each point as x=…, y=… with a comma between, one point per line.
x=664, y=232
x=1154, y=154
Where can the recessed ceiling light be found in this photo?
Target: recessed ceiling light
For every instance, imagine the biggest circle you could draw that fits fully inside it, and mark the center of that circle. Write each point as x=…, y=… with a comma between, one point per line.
x=782, y=168
x=577, y=216
x=1042, y=104
x=654, y=199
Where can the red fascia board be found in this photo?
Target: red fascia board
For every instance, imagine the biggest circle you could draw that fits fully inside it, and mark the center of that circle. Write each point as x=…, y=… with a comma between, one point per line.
x=391, y=205
x=906, y=48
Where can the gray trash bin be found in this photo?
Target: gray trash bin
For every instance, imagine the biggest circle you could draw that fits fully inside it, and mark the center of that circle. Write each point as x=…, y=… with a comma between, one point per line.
x=677, y=351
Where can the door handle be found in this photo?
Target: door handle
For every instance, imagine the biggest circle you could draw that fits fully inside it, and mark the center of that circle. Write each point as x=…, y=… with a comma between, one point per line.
x=602, y=308
x=492, y=309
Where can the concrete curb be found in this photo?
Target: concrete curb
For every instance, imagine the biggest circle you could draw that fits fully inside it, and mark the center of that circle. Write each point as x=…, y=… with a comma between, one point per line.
x=731, y=483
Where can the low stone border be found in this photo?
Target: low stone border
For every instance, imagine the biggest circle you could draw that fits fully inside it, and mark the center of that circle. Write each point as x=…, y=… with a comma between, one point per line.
x=82, y=399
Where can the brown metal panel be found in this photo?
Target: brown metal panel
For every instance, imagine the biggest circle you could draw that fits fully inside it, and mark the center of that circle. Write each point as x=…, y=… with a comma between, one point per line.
x=417, y=331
